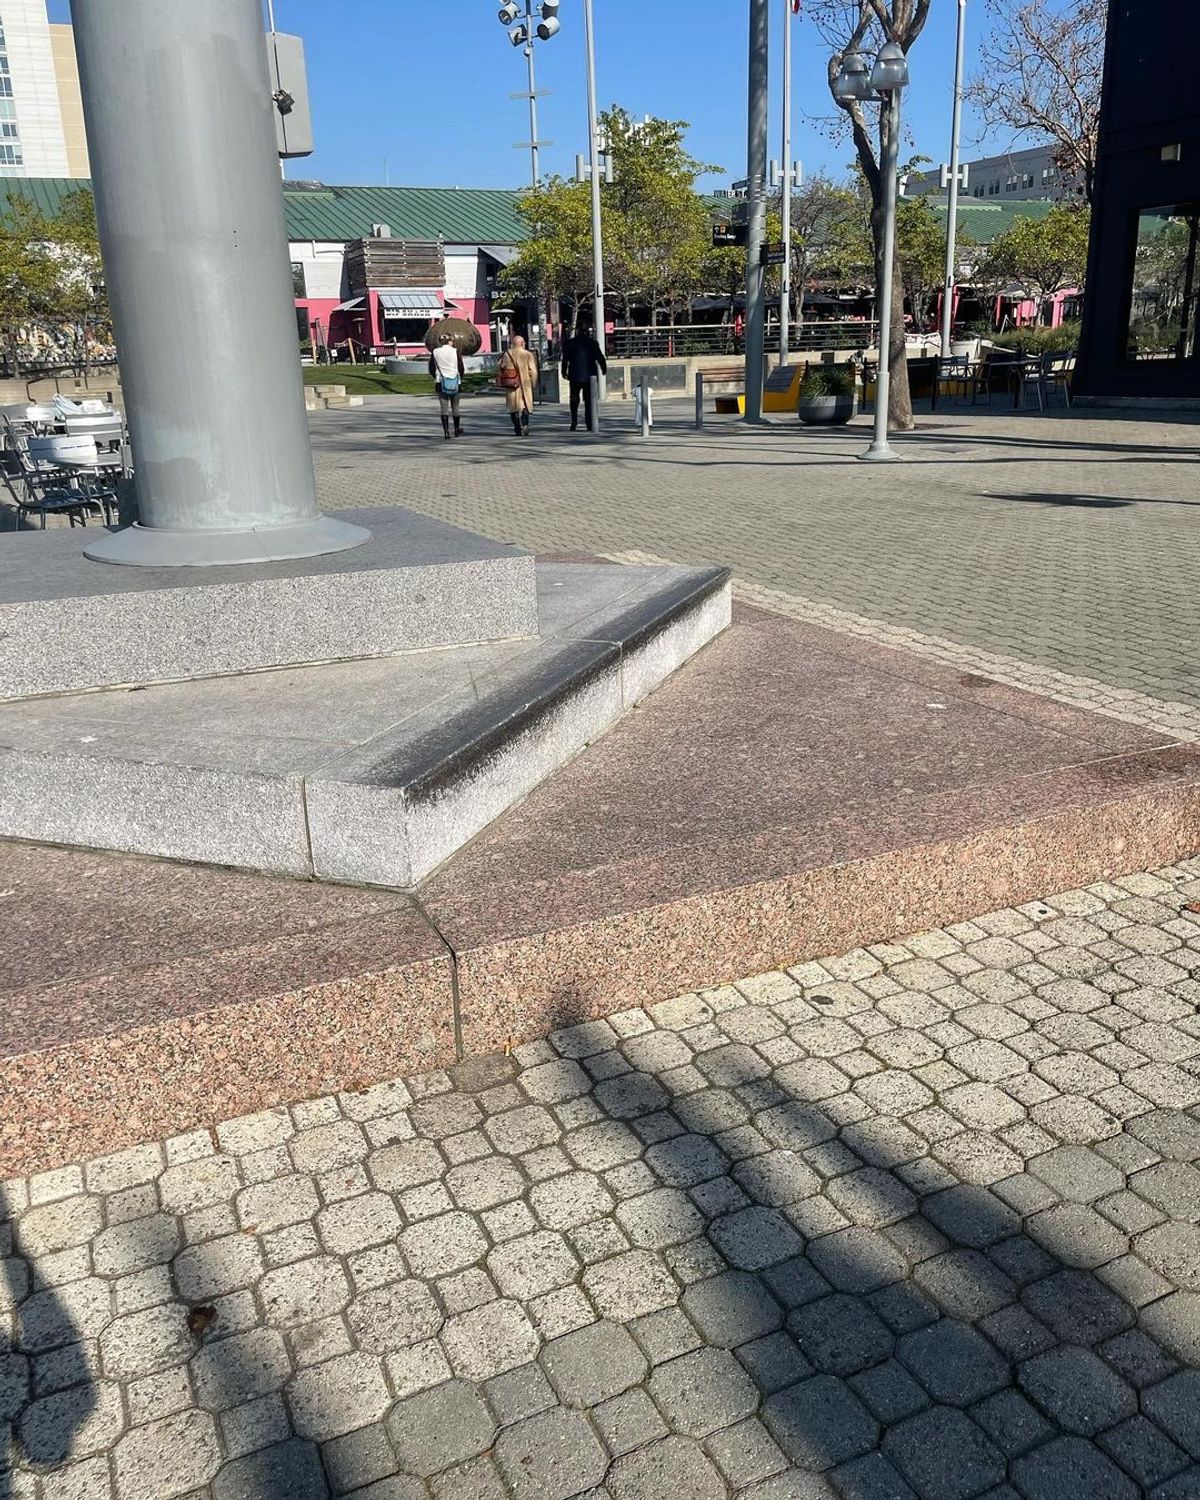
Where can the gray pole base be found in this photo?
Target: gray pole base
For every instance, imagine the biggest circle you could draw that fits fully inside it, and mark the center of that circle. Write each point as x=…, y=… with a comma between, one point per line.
x=161, y=547
x=881, y=453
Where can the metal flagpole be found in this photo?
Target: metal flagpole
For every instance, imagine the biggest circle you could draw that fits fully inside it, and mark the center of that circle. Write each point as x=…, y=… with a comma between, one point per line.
x=756, y=133
x=952, y=200
x=785, y=289
x=594, y=148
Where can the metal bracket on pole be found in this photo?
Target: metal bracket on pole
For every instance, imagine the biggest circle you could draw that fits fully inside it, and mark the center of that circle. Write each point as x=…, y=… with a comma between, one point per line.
x=537, y=94
x=945, y=175
x=530, y=145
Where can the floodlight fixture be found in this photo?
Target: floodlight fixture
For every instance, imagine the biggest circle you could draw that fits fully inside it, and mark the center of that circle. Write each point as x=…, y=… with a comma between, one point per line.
x=853, y=79
x=890, y=70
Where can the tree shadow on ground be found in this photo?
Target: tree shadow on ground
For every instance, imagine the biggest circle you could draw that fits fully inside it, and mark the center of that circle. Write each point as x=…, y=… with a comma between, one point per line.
x=799, y=1297
x=46, y=1386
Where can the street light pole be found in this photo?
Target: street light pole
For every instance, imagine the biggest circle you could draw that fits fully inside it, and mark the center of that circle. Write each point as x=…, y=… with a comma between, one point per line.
x=533, y=119
x=594, y=149
x=785, y=288
x=756, y=171
x=952, y=200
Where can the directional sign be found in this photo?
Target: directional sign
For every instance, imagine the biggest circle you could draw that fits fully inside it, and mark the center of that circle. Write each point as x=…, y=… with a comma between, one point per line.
x=725, y=234
x=773, y=255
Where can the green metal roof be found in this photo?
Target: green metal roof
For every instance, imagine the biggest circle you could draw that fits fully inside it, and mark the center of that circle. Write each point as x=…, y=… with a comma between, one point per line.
x=463, y=216
x=984, y=220
x=460, y=216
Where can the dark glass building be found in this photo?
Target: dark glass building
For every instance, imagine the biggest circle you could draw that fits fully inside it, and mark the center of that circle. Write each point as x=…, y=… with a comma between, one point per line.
x=1139, y=338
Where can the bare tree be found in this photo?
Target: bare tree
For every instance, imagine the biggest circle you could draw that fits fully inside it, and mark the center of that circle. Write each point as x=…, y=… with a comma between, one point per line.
x=863, y=26
x=1040, y=71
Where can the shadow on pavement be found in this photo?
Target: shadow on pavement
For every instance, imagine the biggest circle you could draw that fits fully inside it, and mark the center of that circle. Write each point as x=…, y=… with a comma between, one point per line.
x=797, y=1299
x=46, y=1387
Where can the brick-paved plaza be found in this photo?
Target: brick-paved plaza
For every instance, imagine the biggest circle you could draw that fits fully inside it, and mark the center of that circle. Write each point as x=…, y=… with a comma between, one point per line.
x=914, y=1220
x=1067, y=540
x=918, y=1220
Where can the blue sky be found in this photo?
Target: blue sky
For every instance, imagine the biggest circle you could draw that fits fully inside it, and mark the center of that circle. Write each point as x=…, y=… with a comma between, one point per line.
x=376, y=69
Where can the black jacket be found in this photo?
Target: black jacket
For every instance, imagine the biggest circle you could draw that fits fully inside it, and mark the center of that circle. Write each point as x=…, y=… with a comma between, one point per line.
x=582, y=358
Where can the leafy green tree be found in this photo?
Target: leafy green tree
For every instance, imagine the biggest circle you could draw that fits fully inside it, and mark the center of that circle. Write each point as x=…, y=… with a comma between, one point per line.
x=657, y=230
x=921, y=251
x=556, y=259
x=830, y=236
x=1040, y=256
x=28, y=274
x=51, y=275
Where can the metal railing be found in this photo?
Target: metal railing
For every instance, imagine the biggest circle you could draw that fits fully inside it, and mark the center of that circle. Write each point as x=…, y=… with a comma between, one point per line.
x=679, y=341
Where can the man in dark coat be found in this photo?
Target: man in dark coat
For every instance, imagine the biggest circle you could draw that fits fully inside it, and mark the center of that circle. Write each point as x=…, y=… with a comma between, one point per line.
x=582, y=360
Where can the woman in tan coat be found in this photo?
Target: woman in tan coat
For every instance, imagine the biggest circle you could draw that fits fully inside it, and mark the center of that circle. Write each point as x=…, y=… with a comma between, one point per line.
x=518, y=397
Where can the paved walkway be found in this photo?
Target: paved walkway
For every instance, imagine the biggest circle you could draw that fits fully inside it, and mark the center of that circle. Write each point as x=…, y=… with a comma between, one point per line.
x=1069, y=541
x=919, y=1220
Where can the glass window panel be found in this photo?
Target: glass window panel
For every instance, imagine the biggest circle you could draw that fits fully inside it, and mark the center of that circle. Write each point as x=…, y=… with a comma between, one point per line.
x=1164, y=295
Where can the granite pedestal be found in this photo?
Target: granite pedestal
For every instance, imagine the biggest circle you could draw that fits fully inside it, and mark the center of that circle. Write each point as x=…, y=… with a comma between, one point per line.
x=372, y=770
x=70, y=624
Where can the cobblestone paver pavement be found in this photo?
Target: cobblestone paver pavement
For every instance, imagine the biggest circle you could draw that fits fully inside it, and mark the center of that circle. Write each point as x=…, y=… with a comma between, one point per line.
x=919, y=1220
x=1070, y=541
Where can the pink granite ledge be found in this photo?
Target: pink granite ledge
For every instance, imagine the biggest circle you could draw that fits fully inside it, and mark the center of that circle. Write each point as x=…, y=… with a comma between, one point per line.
x=264, y=992
x=521, y=988
x=794, y=793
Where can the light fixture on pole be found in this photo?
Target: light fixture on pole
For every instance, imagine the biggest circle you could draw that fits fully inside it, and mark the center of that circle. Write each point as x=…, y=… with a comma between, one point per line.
x=530, y=30
x=857, y=80
x=953, y=177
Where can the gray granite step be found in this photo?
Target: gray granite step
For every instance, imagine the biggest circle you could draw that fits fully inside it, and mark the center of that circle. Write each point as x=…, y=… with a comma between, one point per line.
x=68, y=624
x=371, y=771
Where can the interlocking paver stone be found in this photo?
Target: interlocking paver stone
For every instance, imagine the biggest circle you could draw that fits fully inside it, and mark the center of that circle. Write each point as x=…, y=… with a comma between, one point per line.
x=840, y=1335
x=593, y=1364
x=821, y=1296
x=550, y=1456
x=820, y=1423
x=702, y=1392
x=439, y=1427
x=1077, y=1390
x=944, y=1455
x=955, y=1364
x=1071, y=1469
x=490, y=1340
x=394, y=1316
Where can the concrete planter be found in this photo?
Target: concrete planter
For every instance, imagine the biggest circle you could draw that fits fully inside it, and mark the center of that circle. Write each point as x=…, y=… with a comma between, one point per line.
x=826, y=411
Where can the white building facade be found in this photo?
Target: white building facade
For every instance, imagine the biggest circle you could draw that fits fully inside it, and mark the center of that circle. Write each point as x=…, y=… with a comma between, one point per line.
x=32, y=140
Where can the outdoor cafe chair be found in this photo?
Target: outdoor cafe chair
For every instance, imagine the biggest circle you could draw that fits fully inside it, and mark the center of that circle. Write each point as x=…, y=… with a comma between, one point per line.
x=59, y=476
x=1029, y=377
x=1056, y=375
x=958, y=376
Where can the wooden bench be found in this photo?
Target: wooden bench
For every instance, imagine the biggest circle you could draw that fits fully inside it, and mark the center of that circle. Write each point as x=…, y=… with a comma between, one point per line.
x=727, y=401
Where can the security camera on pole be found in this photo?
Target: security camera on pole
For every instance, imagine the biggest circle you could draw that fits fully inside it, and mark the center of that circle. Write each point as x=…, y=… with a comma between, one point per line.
x=886, y=80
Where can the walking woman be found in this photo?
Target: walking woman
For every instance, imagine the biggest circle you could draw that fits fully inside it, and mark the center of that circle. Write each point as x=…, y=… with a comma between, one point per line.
x=447, y=368
x=517, y=376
